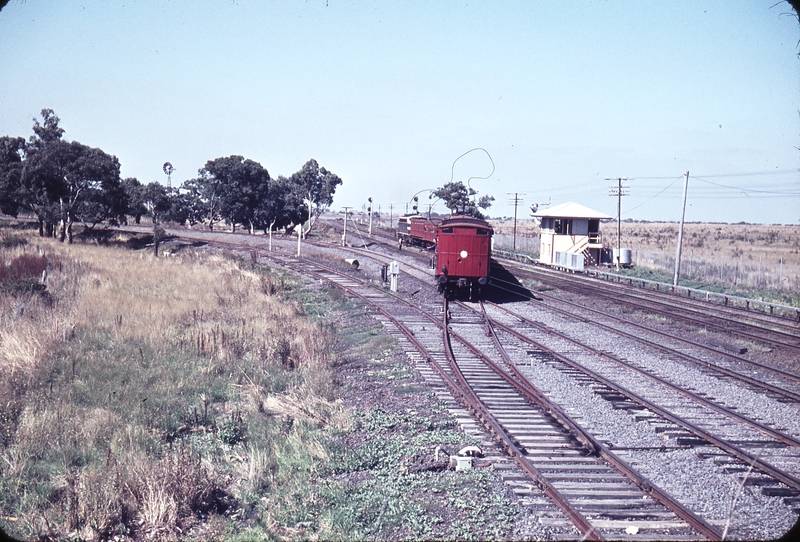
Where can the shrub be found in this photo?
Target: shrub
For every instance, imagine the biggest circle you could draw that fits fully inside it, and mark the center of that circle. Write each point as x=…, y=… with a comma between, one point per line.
x=22, y=274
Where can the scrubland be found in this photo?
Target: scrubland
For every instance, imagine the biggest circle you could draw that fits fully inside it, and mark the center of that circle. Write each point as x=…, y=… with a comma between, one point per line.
x=197, y=397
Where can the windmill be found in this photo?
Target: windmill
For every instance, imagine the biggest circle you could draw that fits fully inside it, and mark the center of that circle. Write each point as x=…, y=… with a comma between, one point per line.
x=168, y=169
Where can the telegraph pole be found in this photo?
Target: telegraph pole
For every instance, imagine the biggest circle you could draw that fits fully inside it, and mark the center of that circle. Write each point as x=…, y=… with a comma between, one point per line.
x=516, y=200
x=619, y=191
x=344, y=233
x=680, y=231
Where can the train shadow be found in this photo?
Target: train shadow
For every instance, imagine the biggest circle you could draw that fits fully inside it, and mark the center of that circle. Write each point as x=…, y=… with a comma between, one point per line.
x=505, y=288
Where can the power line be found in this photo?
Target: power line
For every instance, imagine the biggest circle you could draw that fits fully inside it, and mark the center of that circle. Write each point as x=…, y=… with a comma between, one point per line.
x=654, y=197
x=779, y=193
x=748, y=174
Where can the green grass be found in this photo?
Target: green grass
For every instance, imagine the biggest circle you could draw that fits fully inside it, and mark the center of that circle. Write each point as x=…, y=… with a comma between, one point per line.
x=774, y=296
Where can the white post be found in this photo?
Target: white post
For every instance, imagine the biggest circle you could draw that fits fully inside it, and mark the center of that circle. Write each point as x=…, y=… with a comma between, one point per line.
x=270, y=235
x=299, y=236
x=394, y=270
x=344, y=233
x=680, y=232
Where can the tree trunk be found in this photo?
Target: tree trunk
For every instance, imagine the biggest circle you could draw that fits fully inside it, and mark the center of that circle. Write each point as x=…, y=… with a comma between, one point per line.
x=62, y=226
x=270, y=235
x=158, y=234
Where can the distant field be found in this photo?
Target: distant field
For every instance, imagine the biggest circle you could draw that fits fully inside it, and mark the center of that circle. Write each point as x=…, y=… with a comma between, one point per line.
x=751, y=257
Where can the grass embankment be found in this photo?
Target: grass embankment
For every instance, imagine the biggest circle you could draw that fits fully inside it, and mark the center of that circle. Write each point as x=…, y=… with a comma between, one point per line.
x=196, y=397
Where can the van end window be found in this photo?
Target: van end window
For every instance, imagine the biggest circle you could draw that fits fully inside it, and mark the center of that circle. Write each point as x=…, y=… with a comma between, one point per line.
x=482, y=231
x=447, y=230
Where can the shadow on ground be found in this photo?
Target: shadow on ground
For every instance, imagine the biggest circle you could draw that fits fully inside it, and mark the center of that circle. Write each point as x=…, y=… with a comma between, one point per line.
x=505, y=288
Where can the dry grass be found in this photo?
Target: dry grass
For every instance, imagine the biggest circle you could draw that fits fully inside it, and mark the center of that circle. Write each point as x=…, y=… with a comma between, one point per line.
x=129, y=387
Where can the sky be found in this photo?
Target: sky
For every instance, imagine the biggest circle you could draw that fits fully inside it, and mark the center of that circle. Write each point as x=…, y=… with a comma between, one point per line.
x=550, y=100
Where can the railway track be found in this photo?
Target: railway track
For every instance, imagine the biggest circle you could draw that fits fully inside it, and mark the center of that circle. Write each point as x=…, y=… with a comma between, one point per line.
x=574, y=471
x=767, y=377
x=487, y=402
x=577, y=468
x=696, y=419
x=763, y=328
x=743, y=443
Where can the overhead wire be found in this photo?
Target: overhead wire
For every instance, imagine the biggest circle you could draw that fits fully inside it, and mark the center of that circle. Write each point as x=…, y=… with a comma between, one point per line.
x=746, y=190
x=654, y=197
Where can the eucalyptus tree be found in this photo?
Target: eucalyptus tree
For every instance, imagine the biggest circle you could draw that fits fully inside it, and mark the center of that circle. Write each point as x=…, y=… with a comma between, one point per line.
x=187, y=207
x=314, y=186
x=156, y=199
x=461, y=200
x=232, y=188
x=134, y=193
x=12, y=154
x=66, y=181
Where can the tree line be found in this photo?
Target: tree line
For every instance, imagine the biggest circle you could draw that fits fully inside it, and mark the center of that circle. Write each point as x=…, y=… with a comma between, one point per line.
x=62, y=182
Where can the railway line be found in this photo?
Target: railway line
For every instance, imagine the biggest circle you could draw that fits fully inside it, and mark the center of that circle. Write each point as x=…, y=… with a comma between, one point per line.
x=771, y=330
x=608, y=485
x=781, y=445
x=774, y=380
x=688, y=411
x=583, y=482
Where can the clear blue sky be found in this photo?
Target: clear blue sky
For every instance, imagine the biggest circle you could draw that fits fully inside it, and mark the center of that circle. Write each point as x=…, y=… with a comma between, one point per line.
x=389, y=94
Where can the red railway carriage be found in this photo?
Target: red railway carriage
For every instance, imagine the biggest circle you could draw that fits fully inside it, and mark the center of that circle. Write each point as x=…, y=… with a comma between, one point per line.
x=416, y=230
x=463, y=256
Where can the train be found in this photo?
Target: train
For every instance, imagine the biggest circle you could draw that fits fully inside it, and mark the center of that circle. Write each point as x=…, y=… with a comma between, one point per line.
x=416, y=230
x=463, y=251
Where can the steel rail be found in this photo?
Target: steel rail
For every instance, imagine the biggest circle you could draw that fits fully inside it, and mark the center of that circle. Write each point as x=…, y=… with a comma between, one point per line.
x=786, y=374
x=480, y=410
x=788, y=313
x=786, y=439
x=665, y=308
x=596, y=447
x=729, y=372
x=742, y=455
x=463, y=393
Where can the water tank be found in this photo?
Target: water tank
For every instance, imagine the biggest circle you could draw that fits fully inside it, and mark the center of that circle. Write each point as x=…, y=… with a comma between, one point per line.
x=624, y=255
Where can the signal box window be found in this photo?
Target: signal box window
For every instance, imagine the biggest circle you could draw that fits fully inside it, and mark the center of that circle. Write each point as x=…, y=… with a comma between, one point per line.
x=562, y=226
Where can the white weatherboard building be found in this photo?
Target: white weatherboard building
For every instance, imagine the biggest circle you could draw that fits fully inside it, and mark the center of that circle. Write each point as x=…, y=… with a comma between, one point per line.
x=570, y=235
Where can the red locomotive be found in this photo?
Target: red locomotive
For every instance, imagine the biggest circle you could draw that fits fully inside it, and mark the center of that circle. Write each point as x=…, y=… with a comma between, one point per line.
x=416, y=230
x=463, y=256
